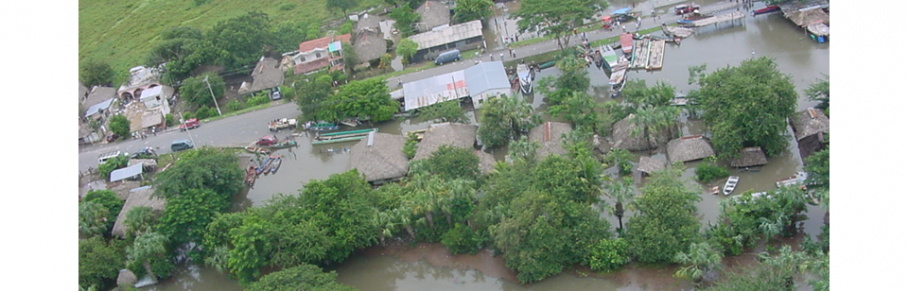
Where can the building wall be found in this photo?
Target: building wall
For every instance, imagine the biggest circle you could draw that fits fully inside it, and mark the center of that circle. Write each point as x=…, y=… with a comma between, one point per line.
x=463, y=45
x=481, y=98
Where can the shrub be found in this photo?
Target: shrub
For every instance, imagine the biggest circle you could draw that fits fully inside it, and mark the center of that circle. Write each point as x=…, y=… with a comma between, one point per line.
x=709, y=171
x=257, y=99
x=287, y=6
x=202, y=112
x=609, y=254
x=410, y=146
x=169, y=120
x=212, y=111
x=235, y=105
x=461, y=239
x=347, y=27
x=112, y=164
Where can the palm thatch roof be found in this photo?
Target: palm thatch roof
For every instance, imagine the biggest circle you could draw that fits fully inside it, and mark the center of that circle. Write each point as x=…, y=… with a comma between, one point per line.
x=689, y=148
x=548, y=135
x=486, y=161
x=809, y=122
x=649, y=164
x=369, y=45
x=137, y=197
x=623, y=139
x=383, y=160
x=454, y=134
x=433, y=14
x=752, y=156
x=126, y=277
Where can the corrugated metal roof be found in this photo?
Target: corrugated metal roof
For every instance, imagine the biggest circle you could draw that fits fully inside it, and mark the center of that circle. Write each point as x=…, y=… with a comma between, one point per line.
x=97, y=107
x=120, y=174
x=486, y=76
x=435, y=89
x=448, y=34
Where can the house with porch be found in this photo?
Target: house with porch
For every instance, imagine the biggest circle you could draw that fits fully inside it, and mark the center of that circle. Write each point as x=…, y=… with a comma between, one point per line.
x=368, y=42
x=320, y=53
x=140, y=78
x=464, y=36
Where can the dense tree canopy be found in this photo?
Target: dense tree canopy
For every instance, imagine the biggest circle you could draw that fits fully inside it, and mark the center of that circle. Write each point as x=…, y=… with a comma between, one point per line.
x=450, y=162
x=342, y=5
x=109, y=200
x=666, y=219
x=556, y=17
x=366, y=98
x=313, y=93
x=302, y=277
x=196, y=91
x=119, y=125
x=405, y=19
x=448, y=111
x=748, y=105
x=100, y=262
x=745, y=220
x=240, y=41
x=180, y=48
x=94, y=72
x=468, y=10
x=187, y=215
x=504, y=119
x=204, y=168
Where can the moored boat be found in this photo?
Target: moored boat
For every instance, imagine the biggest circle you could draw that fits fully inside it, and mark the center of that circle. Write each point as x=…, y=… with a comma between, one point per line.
x=276, y=164
x=768, y=9
x=342, y=136
x=321, y=126
x=627, y=42
x=250, y=176
x=730, y=185
x=265, y=165
x=526, y=79
x=257, y=150
x=795, y=179
x=286, y=143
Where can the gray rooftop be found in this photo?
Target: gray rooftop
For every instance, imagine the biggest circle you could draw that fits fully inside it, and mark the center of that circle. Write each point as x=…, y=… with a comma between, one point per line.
x=435, y=89
x=448, y=34
x=433, y=14
x=120, y=174
x=98, y=107
x=98, y=95
x=486, y=76
x=266, y=75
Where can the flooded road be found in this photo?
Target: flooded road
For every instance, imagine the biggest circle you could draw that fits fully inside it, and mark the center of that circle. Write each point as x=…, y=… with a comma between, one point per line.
x=394, y=269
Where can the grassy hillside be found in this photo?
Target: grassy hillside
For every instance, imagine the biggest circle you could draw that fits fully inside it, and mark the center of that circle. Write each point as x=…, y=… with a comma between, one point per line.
x=122, y=32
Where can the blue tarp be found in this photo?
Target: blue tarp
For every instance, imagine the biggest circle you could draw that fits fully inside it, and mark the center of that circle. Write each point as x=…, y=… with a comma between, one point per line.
x=624, y=10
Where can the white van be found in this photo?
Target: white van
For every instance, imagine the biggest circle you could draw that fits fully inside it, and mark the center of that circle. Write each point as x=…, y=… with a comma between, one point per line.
x=106, y=156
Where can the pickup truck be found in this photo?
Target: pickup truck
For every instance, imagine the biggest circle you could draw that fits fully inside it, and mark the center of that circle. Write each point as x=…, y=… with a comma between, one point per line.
x=189, y=124
x=283, y=123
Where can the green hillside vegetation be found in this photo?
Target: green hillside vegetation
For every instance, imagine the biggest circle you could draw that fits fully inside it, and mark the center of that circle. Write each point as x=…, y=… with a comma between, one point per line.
x=124, y=32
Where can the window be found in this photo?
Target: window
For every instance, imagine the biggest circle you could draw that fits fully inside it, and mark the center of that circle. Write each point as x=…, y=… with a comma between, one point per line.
x=318, y=55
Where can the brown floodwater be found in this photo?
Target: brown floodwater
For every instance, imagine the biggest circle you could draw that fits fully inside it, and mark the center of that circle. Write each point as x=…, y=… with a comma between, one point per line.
x=429, y=267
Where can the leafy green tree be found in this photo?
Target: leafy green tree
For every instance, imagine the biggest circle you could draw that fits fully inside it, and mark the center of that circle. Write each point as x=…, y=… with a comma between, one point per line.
x=186, y=215
x=771, y=273
x=545, y=233
x=665, y=221
x=240, y=41
x=314, y=93
x=119, y=125
x=620, y=158
x=195, y=90
x=563, y=16
x=623, y=193
x=817, y=168
x=180, y=48
x=468, y=10
x=708, y=171
x=652, y=120
x=112, y=164
x=95, y=73
x=700, y=259
x=366, y=98
x=139, y=220
x=351, y=59
x=746, y=220
x=504, y=119
x=342, y=5
x=302, y=277
x=609, y=254
x=109, y=200
x=405, y=19
x=523, y=149
x=93, y=219
x=461, y=239
x=450, y=162
x=100, y=262
x=448, y=111
x=580, y=109
x=288, y=35
x=819, y=91
x=577, y=178
x=638, y=94
x=148, y=247
x=407, y=48
x=574, y=78
x=748, y=105
x=205, y=168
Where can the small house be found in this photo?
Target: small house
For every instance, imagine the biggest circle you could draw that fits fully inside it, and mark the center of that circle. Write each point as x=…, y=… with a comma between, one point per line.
x=486, y=80
x=141, y=196
x=98, y=103
x=266, y=75
x=320, y=53
x=749, y=157
x=689, y=148
x=140, y=78
x=380, y=158
x=811, y=130
x=464, y=36
x=433, y=14
x=649, y=165
x=627, y=135
x=549, y=136
x=453, y=134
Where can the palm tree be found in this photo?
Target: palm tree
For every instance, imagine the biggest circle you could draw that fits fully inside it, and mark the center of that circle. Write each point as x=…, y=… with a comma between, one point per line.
x=519, y=115
x=623, y=192
x=700, y=259
x=147, y=246
x=92, y=218
x=653, y=118
x=523, y=149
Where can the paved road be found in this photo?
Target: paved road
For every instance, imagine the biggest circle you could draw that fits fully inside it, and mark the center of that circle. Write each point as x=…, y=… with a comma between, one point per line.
x=234, y=131
x=545, y=46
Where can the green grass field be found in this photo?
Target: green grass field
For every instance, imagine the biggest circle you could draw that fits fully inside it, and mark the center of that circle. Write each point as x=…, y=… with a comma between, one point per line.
x=123, y=32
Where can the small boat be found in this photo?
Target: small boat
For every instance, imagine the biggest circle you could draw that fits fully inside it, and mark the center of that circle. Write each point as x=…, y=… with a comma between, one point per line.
x=250, y=176
x=276, y=164
x=321, y=126
x=546, y=65
x=795, y=179
x=265, y=165
x=342, y=136
x=257, y=150
x=768, y=9
x=283, y=144
x=627, y=42
x=730, y=185
x=526, y=79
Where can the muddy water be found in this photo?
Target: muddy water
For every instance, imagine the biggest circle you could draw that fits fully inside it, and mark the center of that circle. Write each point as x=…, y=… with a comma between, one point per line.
x=429, y=268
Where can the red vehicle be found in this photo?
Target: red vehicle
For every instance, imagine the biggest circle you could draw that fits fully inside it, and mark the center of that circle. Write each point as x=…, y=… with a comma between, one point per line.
x=267, y=140
x=189, y=124
x=686, y=8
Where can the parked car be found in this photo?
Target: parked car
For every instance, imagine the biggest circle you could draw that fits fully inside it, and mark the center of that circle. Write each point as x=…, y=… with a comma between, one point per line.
x=686, y=8
x=267, y=140
x=447, y=57
x=276, y=93
x=112, y=137
x=179, y=145
x=189, y=124
x=146, y=153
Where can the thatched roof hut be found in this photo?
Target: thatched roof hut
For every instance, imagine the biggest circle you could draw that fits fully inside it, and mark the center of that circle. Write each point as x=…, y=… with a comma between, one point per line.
x=454, y=134
x=689, y=148
x=126, y=277
x=382, y=161
x=809, y=122
x=623, y=139
x=137, y=197
x=649, y=164
x=486, y=161
x=752, y=156
x=548, y=135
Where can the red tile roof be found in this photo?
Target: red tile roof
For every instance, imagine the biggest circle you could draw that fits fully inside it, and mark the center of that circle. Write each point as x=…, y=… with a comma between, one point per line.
x=310, y=66
x=308, y=46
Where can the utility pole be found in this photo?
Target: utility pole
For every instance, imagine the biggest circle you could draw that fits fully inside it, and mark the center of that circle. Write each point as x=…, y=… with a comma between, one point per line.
x=187, y=131
x=212, y=95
